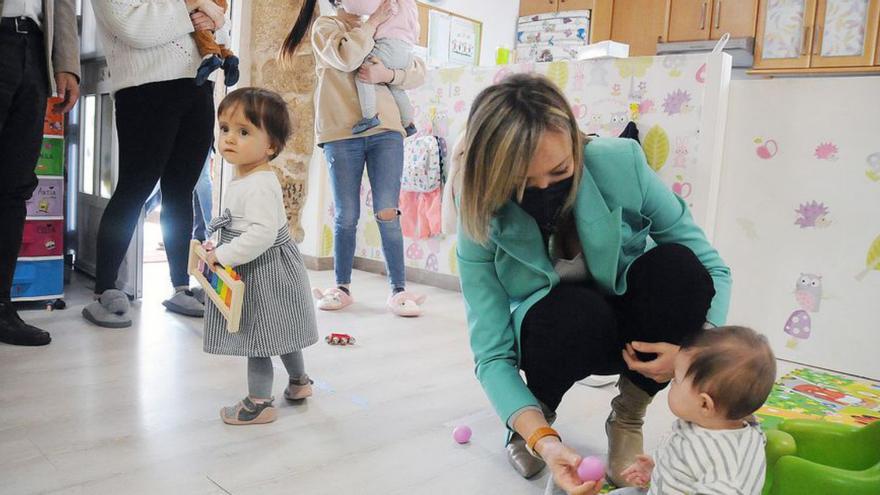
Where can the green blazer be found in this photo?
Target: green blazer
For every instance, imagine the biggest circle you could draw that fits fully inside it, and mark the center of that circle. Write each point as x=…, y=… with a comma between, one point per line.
x=620, y=203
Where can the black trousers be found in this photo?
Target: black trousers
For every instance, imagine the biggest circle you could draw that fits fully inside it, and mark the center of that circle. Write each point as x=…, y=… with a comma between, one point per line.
x=24, y=88
x=165, y=130
x=576, y=331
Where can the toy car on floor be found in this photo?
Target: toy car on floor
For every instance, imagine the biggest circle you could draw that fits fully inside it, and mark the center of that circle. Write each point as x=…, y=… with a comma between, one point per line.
x=339, y=339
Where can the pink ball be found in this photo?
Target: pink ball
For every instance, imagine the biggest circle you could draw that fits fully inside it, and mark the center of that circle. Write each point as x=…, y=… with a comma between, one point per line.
x=462, y=434
x=591, y=469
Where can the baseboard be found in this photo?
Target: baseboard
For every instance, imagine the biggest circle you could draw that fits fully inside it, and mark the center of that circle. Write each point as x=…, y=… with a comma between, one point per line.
x=318, y=263
x=416, y=275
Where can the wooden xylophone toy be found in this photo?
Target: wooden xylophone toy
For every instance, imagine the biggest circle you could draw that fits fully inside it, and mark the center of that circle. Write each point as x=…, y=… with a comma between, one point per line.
x=222, y=285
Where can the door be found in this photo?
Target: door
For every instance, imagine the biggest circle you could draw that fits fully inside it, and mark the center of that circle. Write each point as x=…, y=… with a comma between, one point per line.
x=736, y=17
x=846, y=33
x=641, y=24
x=532, y=7
x=784, y=34
x=689, y=20
x=96, y=176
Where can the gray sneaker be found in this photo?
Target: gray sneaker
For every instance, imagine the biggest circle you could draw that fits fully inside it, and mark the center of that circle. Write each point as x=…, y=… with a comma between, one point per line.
x=184, y=302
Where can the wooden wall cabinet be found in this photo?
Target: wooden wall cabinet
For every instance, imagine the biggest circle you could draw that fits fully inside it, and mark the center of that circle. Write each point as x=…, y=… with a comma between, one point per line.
x=817, y=34
x=641, y=24
x=694, y=20
x=532, y=7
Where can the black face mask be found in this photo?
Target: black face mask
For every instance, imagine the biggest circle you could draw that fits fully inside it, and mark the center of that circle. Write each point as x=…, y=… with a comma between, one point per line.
x=545, y=205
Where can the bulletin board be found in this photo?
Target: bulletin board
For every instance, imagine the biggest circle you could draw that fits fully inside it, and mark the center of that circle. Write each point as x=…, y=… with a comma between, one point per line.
x=450, y=39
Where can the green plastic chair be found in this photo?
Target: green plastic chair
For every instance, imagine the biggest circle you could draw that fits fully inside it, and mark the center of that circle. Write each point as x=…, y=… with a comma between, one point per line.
x=823, y=458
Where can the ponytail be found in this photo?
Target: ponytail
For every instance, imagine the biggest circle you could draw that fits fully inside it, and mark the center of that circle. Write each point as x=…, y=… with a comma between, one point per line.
x=299, y=30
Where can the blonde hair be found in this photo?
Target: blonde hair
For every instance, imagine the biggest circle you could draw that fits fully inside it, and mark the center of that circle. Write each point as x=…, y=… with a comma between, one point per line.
x=504, y=126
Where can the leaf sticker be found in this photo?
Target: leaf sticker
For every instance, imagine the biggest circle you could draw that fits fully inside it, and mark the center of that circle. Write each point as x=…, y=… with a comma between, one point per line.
x=327, y=242
x=656, y=146
x=872, y=261
x=558, y=73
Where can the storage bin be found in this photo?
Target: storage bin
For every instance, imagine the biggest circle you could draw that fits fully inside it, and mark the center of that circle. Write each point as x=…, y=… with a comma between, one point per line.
x=34, y=279
x=42, y=238
x=48, y=199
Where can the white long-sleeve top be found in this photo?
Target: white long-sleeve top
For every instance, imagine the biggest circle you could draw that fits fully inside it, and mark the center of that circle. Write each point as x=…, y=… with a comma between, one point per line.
x=146, y=41
x=712, y=462
x=257, y=209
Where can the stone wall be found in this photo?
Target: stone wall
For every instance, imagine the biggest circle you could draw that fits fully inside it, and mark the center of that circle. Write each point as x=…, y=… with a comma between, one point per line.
x=271, y=20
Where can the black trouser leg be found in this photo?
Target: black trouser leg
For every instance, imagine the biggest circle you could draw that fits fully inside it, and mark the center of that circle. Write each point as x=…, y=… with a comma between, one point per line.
x=23, y=92
x=575, y=331
x=668, y=295
x=161, y=126
x=179, y=179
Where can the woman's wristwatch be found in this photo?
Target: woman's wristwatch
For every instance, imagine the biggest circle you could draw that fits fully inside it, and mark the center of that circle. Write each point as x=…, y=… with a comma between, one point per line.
x=534, y=438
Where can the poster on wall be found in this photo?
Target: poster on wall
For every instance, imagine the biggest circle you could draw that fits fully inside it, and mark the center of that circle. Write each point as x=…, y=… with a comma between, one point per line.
x=464, y=42
x=452, y=40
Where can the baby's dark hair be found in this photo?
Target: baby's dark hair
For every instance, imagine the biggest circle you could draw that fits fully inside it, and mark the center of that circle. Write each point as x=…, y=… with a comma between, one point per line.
x=734, y=365
x=263, y=108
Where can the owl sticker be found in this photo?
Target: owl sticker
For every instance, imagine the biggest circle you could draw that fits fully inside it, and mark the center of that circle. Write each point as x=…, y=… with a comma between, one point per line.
x=808, y=292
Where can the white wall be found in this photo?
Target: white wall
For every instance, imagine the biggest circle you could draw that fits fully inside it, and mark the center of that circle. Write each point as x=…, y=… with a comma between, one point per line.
x=498, y=18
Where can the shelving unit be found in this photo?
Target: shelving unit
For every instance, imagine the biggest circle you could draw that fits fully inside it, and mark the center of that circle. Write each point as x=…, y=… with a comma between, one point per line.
x=39, y=273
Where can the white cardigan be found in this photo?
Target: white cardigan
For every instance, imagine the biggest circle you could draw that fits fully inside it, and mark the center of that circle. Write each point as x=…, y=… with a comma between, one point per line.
x=146, y=41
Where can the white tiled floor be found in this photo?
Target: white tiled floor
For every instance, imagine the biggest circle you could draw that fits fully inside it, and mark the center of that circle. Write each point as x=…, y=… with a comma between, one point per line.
x=136, y=410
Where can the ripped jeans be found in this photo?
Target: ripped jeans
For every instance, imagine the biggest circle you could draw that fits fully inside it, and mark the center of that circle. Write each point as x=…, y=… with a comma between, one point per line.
x=383, y=156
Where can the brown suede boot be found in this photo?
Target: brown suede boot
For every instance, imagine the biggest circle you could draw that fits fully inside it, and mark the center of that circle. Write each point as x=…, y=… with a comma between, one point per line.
x=518, y=455
x=624, y=428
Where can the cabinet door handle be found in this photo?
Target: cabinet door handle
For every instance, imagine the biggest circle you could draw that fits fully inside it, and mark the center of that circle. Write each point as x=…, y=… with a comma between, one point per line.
x=817, y=39
x=717, y=14
x=807, y=32
x=703, y=15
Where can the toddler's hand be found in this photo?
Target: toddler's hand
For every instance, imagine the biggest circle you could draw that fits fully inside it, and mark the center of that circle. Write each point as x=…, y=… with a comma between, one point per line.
x=639, y=473
x=208, y=245
x=211, y=259
x=384, y=12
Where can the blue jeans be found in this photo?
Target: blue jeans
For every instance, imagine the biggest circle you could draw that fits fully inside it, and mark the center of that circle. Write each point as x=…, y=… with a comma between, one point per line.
x=383, y=155
x=202, y=205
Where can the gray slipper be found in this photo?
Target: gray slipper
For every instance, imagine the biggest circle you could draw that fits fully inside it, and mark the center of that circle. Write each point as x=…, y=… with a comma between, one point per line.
x=110, y=310
x=199, y=294
x=185, y=303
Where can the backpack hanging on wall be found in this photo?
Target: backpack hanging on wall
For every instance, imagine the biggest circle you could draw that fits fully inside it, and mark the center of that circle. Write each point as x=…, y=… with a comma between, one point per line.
x=421, y=165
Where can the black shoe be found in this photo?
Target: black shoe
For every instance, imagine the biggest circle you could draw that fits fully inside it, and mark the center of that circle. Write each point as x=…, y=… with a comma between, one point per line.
x=16, y=332
x=230, y=70
x=410, y=130
x=207, y=66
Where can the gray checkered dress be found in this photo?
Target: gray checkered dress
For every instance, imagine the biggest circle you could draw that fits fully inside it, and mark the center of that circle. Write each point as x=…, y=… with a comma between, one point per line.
x=278, y=315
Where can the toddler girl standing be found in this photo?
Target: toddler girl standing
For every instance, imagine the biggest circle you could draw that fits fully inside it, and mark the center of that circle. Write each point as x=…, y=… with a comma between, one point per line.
x=277, y=318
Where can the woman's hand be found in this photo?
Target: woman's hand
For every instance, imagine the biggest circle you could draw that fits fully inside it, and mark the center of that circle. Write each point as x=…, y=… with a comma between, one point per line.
x=384, y=12
x=563, y=463
x=201, y=22
x=661, y=369
x=215, y=12
x=374, y=71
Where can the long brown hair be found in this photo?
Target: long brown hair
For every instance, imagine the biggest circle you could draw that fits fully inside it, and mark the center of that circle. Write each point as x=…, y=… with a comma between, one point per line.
x=503, y=129
x=307, y=15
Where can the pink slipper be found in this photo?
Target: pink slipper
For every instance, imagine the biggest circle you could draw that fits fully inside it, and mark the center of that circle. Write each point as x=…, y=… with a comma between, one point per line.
x=406, y=304
x=332, y=299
